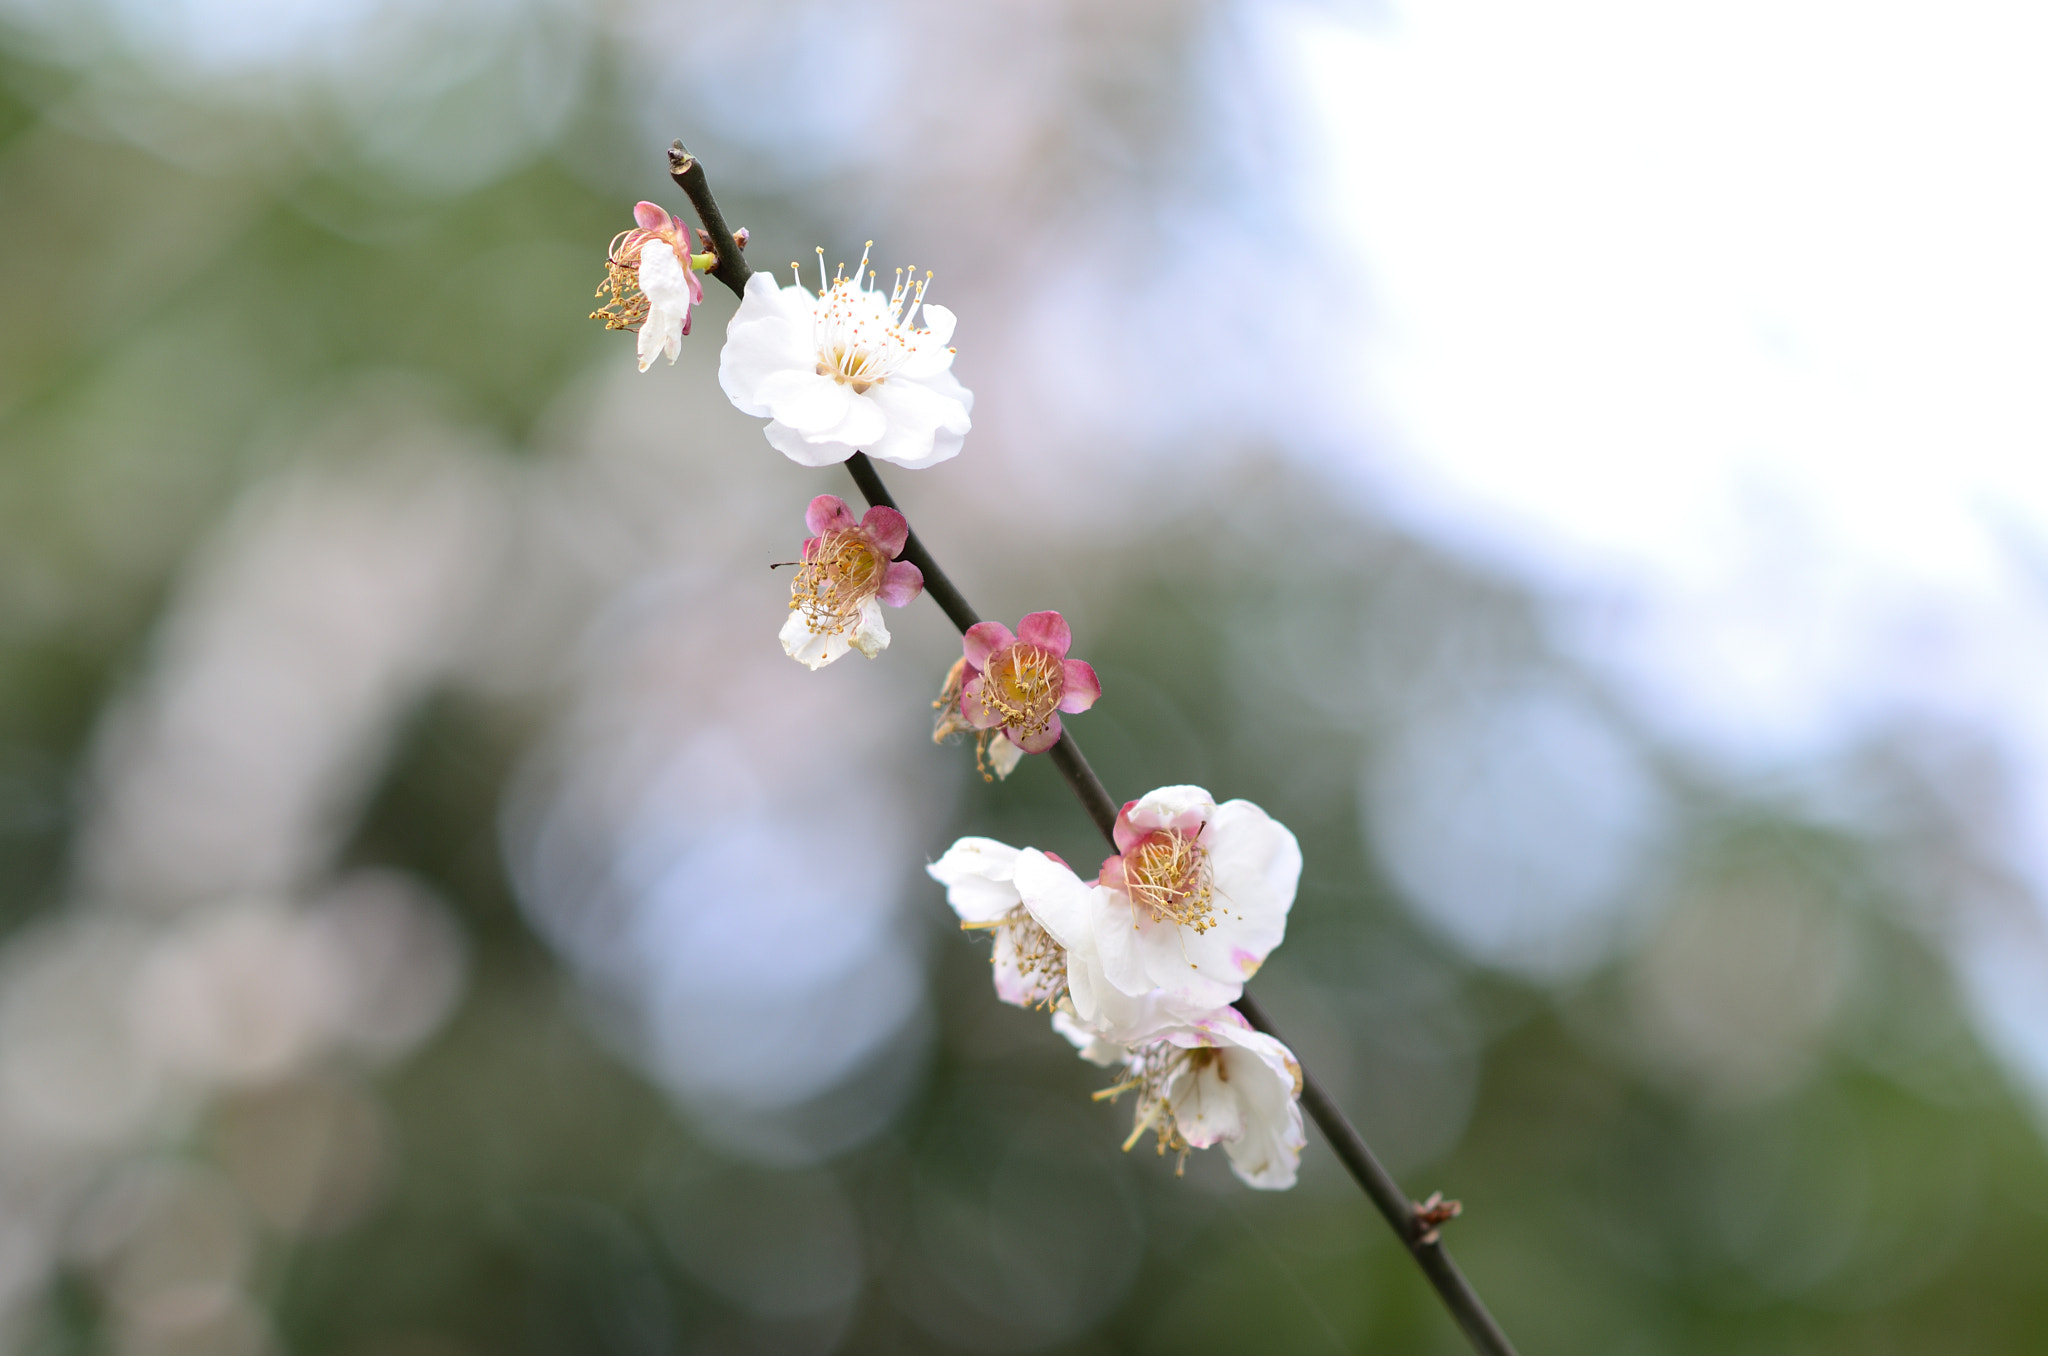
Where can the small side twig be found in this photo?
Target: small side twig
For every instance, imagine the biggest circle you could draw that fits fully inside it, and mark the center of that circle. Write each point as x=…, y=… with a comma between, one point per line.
x=1416, y=1230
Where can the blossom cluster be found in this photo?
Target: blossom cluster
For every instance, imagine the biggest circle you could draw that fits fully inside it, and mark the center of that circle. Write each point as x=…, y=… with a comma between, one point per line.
x=1139, y=966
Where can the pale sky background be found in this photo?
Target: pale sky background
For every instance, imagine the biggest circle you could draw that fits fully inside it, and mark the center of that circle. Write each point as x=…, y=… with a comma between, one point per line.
x=1725, y=328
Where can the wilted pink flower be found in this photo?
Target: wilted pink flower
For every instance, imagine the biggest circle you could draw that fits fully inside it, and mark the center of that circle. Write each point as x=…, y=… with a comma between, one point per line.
x=1020, y=683
x=651, y=282
x=849, y=570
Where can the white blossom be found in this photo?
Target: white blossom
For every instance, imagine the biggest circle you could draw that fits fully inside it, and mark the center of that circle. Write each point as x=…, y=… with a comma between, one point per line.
x=979, y=874
x=847, y=370
x=1188, y=910
x=1213, y=1081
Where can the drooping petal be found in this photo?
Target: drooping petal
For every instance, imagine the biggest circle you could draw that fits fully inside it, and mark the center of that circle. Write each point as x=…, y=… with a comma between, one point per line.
x=1039, y=740
x=978, y=874
x=1003, y=756
x=805, y=401
x=1047, y=629
x=871, y=636
x=815, y=649
x=661, y=332
x=886, y=528
x=1083, y=689
x=984, y=639
x=901, y=584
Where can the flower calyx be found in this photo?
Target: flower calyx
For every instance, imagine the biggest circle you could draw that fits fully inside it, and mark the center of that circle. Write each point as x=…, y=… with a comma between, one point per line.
x=847, y=573
x=1021, y=682
x=652, y=278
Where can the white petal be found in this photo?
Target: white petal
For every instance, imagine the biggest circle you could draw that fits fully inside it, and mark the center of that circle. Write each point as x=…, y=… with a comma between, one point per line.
x=939, y=322
x=661, y=332
x=1168, y=803
x=1013, y=985
x=809, y=647
x=1205, y=969
x=1116, y=943
x=1091, y=1047
x=925, y=426
x=805, y=401
x=1206, y=1106
x=978, y=874
x=1056, y=897
x=1003, y=756
x=871, y=636
x=804, y=451
x=1267, y=1155
x=771, y=332
x=663, y=278
x=1255, y=864
x=864, y=423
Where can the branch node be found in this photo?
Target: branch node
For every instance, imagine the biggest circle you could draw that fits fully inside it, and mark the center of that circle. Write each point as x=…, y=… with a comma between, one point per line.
x=1432, y=1215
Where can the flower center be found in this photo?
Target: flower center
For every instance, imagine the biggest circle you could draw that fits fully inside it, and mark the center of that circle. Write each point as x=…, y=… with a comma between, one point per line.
x=861, y=336
x=845, y=569
x=1168, y=873
x=1023, y=684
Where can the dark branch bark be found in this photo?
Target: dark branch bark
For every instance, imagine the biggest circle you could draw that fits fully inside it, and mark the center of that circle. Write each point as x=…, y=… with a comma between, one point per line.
x=1350, y=1147
x=732, y=268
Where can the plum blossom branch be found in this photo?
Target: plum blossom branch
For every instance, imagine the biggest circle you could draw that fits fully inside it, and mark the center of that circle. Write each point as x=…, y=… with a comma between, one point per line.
x=1418, y=1229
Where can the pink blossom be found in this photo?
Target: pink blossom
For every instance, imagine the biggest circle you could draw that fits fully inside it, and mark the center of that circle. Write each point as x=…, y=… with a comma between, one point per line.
x=1019, y=683
x=848, y=572
x=652, y=285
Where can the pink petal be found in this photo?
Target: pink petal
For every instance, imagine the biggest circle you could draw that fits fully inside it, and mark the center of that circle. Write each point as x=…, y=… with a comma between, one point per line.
x=1124, y=832
x=810, y=545
x=1082, y=688
x=686, y=322
x=1054, y=857
x=826, y=512
x=1111, y=876
x=650, y=217
x=971, y=708
x=984, y=639
x=903, y=582
x=696, y=286
x=1039, y=742
x=887, y=529
x=1048, y=629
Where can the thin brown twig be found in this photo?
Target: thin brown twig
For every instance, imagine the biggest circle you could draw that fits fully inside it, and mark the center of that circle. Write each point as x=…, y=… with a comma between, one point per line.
x=1417, y=1235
